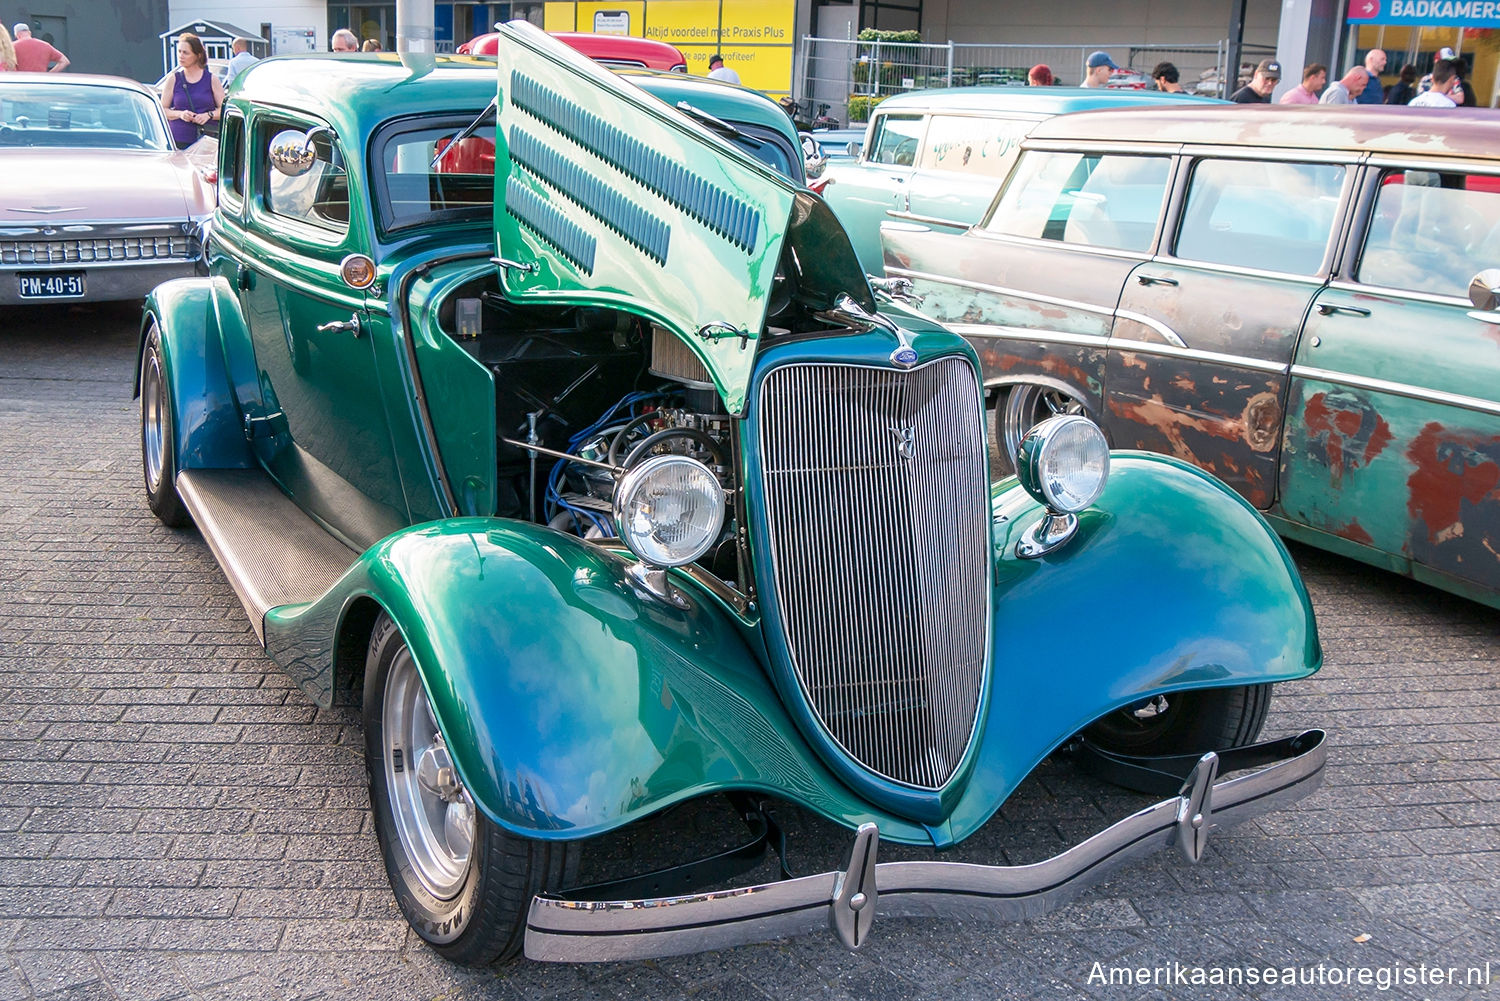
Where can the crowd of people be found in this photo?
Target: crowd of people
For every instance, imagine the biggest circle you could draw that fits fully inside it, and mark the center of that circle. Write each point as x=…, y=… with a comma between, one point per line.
x=1442, y=88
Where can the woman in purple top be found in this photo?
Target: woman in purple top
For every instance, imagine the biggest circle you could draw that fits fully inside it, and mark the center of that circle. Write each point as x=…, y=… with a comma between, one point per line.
x=192, y=96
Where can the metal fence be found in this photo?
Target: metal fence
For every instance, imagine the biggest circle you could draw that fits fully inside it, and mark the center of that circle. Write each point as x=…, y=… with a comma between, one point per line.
x=849, y=75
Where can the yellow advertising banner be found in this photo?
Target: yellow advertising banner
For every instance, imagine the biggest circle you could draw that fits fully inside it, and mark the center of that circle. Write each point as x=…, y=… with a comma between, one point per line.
x=755, y=37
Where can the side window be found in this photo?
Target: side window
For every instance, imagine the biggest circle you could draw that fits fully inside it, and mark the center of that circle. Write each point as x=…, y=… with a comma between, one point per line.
x=1432, y=232
x=982, y=147
x=232, y=160
x=319, y=197
x=1104, y=200
x=1260, y=214
x=896, y=139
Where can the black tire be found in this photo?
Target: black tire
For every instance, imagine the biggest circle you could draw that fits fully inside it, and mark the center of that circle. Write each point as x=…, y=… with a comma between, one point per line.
x=469, y=906
x=1191, y=722
x=159, y=436
x=1022, y=407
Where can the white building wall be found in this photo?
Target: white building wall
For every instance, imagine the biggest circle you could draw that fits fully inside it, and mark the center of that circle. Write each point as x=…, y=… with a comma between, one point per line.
x=1093, y=22
x=280, y=13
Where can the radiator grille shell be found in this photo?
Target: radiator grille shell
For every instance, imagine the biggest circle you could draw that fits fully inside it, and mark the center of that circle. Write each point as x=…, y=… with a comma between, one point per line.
x=879, y=559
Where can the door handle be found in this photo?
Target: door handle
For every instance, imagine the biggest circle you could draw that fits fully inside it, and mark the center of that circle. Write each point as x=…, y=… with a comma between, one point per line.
x=1329, y=308
x=244, y=277
x=1155, y=280
x=350, y=325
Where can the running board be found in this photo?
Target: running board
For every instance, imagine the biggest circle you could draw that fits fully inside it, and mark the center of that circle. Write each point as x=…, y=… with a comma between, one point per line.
x=272, y=552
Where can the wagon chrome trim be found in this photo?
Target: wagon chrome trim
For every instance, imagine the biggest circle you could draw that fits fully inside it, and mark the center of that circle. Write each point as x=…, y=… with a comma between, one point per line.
x=1196, y=354
x=1437, y=396
x=848, y=900
x=1050, y=300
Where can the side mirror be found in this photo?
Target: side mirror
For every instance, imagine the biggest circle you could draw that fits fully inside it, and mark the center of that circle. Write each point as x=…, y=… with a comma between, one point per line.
x=1484, y=290
x=293, y=153
x=813, y=160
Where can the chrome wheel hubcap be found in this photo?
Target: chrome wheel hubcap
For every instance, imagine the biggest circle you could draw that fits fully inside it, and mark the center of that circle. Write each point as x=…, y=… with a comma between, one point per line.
x=433, y=811
x=153, y=405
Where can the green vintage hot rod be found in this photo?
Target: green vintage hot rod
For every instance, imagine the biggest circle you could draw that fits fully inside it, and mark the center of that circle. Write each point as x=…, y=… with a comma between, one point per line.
x=577, y=441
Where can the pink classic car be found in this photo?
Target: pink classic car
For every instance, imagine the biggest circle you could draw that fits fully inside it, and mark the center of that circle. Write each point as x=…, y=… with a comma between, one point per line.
x=95, y=204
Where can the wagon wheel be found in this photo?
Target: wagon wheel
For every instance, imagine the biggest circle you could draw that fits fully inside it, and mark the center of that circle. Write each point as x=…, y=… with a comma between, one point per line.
x=1023, y=408
x=463, y=882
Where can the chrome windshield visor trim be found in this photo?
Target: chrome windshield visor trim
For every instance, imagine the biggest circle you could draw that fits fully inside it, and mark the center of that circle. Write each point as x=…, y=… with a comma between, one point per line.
x=1490, y=407
x=1315, y=281
x=1193, y=354
x=1086, y=307
x=574, y=931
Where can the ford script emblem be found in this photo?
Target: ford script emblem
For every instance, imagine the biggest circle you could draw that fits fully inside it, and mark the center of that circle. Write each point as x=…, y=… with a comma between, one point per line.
x=905, y=356
x=906, y=439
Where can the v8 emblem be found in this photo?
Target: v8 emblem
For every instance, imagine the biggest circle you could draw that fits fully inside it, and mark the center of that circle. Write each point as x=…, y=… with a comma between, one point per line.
x=906, y=439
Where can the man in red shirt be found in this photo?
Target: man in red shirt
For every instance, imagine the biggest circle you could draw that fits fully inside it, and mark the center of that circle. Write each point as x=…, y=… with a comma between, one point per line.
x=34, y=55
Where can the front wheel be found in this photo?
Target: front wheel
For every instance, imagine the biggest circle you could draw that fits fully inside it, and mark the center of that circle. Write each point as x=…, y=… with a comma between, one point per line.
x=1185, y=722
x=159, y=436
x=1022, y=408
x=463, y=883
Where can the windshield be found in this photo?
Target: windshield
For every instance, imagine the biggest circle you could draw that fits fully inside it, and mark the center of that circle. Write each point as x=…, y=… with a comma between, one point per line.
x=87, y=116
x=411, y=190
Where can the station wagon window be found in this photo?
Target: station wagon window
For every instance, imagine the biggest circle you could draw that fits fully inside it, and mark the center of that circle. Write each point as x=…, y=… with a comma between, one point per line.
x=896, y=139
x=1260, y=214
x=1432, y=232
x=412, y=190
x=319, y=197
x=1100, y=200
x=970, y=144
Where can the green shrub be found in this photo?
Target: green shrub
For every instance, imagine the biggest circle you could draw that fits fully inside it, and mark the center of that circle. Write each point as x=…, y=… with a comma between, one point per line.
x=860, y=106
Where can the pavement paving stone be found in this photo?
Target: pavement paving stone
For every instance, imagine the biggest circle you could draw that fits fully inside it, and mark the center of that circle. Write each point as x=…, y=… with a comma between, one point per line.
x=177, y=820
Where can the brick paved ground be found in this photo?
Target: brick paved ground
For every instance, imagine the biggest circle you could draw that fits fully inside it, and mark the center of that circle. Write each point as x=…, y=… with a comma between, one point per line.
x=176, y=820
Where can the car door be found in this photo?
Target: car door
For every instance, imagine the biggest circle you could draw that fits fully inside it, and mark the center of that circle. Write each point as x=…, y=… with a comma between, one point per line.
x=964, y=159
x=1034, y=287
x=1393, y=426
x=863, y=194
x=322, y=430
x=1204, y=335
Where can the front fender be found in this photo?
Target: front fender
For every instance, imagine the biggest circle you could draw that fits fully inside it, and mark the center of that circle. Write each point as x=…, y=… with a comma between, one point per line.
x=573, y=704
x=1173, y=582
x=208, y=433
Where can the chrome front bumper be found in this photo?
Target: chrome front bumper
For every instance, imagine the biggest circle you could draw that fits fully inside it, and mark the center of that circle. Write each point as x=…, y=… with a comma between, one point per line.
x=847, y=901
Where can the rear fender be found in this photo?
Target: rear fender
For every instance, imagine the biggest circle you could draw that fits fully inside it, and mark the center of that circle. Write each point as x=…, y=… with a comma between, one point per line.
x=1173, y=582
x=571, y=702
x=206, y=420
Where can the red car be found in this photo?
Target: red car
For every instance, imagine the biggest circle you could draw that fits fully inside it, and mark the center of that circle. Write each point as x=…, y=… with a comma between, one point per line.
x=611, y=50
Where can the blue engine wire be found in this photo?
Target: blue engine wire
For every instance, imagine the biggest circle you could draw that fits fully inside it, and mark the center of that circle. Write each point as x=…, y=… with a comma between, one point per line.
x=554, y=496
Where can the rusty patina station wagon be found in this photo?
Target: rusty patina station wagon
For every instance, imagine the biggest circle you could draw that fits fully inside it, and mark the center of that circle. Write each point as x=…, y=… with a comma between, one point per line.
x=1279, y=295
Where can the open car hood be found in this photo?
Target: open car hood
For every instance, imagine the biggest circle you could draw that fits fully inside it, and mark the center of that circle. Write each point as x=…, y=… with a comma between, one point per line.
x=604, y=195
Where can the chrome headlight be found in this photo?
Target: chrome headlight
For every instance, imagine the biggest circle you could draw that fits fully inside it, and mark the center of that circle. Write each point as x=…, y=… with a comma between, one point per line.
x=669, y=510
x=1064, y=463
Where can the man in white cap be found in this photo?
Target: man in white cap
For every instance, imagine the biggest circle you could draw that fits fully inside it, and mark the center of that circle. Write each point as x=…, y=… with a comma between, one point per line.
x=1444, y=79
x=1457, y=95
x=1100, y=66
x=34, y=55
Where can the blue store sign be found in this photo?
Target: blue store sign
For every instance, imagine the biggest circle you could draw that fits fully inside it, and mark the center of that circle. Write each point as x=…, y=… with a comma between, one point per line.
x=1427, y=13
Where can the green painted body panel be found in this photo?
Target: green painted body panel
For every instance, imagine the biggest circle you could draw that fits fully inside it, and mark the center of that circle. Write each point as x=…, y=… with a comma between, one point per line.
x=1415, y=480
x=574, y=705
x=619, y=204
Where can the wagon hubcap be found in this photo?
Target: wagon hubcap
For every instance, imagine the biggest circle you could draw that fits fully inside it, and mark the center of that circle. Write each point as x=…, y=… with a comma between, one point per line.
x=433, y=811
x=152, y=404
x=1028, y=406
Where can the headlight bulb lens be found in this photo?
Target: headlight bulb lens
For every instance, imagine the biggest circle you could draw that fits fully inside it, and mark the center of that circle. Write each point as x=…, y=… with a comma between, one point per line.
x=669, y=510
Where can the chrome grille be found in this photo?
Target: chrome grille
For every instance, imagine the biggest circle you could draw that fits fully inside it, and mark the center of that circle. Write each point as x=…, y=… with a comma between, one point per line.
x=175, y=247
x=881, y=559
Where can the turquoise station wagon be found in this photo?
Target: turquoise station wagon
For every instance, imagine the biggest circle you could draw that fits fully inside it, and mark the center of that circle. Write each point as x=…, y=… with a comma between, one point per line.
x=574, y=440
